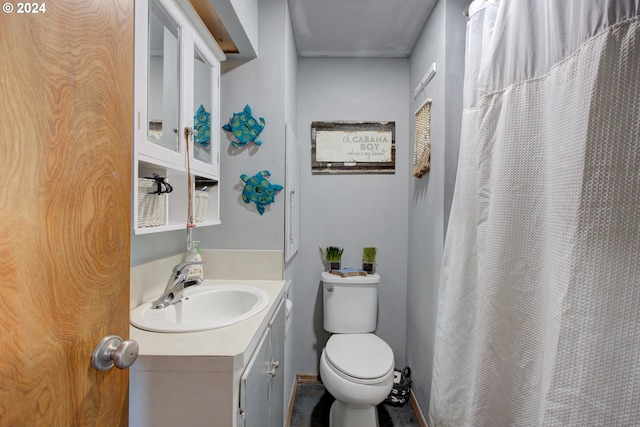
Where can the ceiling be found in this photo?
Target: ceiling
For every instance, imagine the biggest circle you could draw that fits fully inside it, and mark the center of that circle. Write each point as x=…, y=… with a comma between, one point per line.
x=358, y=28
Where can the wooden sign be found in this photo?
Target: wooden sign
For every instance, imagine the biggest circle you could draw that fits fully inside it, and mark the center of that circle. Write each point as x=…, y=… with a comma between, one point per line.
x=353, y=147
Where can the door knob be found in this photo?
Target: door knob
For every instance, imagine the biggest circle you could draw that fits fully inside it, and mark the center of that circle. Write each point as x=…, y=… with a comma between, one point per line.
x=112, y=351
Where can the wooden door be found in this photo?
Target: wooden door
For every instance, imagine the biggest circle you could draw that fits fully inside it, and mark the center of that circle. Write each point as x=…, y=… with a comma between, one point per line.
x=65, y=151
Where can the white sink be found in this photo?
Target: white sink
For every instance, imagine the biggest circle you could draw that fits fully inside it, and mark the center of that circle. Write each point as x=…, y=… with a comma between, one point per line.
x=202, y=307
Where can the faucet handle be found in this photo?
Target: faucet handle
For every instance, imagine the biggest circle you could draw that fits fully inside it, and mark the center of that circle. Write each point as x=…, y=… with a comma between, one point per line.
x=180, y=267
x=193, y=282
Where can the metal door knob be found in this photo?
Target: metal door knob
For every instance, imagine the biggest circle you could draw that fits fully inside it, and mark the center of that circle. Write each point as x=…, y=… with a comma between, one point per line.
x=112, y=351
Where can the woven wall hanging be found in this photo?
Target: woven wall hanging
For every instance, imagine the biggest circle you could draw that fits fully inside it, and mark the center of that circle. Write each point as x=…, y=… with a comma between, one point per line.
x=421, y=142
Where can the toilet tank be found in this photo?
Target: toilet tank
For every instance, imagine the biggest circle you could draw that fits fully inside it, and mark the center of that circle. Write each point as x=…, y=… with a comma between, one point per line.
x=350, y=304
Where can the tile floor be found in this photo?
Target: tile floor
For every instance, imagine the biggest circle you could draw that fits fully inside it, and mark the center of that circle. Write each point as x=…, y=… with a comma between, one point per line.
x=312, y=403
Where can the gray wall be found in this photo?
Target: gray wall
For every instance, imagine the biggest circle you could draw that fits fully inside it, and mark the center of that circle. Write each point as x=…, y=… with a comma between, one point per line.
x=442, y=42
x=455, y=35
x=259, y=83
x=352, y=211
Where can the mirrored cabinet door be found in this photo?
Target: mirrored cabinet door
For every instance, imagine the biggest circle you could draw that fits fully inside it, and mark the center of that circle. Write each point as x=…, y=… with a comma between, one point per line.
x=205, y=107
x=163, y=79
x=202, y=95
x=158, y=90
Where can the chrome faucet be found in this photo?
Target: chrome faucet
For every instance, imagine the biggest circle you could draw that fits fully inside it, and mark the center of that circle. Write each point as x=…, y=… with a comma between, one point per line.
x=178, y=282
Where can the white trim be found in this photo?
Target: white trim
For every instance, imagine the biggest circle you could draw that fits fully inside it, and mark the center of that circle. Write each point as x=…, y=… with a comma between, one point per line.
x=425, y=80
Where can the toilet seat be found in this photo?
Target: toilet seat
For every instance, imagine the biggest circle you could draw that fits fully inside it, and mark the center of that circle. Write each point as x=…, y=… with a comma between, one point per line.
x=360, y=358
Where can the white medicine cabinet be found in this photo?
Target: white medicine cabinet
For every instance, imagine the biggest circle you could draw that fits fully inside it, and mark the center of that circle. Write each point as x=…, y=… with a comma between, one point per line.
x=176, y=118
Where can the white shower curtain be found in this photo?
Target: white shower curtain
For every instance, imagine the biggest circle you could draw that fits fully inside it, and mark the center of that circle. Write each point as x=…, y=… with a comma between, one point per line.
x=539, y=302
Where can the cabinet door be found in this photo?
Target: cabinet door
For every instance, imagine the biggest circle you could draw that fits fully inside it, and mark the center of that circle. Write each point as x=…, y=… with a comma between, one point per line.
x=205, y=111
x=158, y=93
x=276, y=397
x=254, y=386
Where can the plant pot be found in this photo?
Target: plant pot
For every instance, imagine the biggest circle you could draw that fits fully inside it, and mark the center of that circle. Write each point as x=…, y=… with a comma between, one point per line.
x=368, y=267
x=334, y=266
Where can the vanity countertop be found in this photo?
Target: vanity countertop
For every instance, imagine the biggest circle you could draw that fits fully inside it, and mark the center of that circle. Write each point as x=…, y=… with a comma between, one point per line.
x=230, y=341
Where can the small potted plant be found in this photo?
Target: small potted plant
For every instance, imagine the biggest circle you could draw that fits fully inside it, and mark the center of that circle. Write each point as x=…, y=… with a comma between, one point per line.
x=368, y=259
x=333, y=256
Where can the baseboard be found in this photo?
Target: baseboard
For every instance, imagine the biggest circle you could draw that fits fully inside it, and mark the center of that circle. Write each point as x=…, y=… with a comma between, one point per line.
x=292, y=399
x=308, y=379
x=416, y=410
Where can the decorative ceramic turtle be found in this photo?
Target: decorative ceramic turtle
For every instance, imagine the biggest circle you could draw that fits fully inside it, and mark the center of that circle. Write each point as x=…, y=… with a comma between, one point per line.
x=245, y=128
x=259, y=190
x=202, y=124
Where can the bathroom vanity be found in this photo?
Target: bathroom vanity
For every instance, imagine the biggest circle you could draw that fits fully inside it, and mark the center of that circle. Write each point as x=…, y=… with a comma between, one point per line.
x=226, y=377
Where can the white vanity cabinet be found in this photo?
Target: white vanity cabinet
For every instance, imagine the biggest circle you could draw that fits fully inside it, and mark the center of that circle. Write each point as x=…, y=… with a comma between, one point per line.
x=262, y=384
x=198, y=378
x=176, y=117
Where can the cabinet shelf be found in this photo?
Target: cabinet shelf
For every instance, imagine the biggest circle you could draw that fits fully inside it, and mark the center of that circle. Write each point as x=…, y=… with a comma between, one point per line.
x=171, y=227
x=175, y=210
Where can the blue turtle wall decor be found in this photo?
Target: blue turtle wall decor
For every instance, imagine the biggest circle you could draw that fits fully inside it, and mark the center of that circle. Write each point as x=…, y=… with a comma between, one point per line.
x=202, y=125
x=245, y=128
x=259, y=190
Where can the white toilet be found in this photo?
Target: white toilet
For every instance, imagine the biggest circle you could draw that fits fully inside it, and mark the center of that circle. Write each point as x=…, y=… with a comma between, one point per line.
x=356, y=366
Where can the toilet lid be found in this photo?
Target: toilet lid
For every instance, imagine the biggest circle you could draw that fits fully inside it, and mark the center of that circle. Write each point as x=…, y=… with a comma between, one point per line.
x=363, y=356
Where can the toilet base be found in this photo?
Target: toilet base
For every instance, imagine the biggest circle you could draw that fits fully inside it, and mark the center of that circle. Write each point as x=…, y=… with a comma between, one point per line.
x=343, y=415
